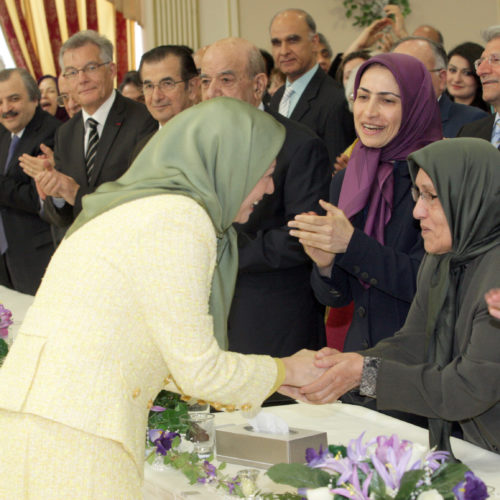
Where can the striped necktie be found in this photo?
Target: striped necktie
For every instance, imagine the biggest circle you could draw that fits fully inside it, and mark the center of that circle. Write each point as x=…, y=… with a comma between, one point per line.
x=92, y=144
x=495, y=139
x=284, y=108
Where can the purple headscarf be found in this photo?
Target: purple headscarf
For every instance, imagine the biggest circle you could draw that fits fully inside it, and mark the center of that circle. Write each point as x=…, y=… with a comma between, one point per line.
x=369, y=174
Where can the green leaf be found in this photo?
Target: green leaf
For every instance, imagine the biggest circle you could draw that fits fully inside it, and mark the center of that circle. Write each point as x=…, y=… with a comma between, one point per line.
x=448, y=476
x=4, y=348
x=408, y=482
x=334, y=450
x=298, y=475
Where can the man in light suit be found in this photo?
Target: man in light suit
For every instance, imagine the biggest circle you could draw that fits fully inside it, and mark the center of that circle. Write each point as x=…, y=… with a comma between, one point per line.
x=316, y=100
x=95, y=145
x=488, y=70
x=274, y=310
x=433, y=57
x=25, y=240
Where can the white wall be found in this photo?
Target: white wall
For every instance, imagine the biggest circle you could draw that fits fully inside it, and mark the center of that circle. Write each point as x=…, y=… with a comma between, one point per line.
x=458, y=20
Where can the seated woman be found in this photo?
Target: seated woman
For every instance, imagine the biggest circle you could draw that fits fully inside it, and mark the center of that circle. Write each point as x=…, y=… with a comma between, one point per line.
x=444, y=363
x=130, y=302
x=49, y=93
x=368, y=247
x=462, y=82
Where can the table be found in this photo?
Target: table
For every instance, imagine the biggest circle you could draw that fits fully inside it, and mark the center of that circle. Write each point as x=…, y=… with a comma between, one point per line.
x=342, y=422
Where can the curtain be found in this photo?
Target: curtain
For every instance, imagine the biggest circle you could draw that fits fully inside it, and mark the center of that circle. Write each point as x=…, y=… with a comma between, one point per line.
x=171, y=22
x=36, y=29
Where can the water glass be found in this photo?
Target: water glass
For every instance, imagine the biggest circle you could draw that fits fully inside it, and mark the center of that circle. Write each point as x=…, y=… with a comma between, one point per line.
x=200, y=430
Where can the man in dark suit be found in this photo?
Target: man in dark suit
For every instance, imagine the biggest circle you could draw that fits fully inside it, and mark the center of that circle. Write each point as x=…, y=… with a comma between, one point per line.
x=488, y=70
x=316, y=100
x=274, y=310
x=95, y=145
x=433, y=57
x=25, y=240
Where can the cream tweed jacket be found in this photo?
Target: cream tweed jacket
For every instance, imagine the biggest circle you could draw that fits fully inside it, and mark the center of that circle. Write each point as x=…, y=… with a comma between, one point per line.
x=121, y=312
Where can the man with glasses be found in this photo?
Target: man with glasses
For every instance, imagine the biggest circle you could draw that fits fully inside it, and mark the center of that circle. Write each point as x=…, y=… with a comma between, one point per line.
x=433, y=57
x=488, y=69
x=96, y=144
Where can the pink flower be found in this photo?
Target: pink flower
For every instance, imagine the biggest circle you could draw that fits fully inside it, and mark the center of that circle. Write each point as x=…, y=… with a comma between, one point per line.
x=5, y=321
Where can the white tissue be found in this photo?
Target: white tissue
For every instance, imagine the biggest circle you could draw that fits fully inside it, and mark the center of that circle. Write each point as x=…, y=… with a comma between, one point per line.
x=268, y=424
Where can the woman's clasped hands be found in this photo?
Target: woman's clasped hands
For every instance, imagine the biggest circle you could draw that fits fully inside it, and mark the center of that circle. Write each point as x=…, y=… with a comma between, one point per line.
x=323, y=236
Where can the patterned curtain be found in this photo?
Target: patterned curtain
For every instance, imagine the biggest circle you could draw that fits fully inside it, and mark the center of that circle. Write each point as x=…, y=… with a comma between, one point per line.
x=35, y=31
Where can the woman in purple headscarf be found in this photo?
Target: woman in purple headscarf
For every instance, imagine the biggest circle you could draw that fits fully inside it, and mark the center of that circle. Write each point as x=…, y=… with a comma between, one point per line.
x=367, y=248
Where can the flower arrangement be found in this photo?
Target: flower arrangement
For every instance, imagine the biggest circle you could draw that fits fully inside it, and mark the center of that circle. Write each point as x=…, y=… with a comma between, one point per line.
x=384, y=468
x=5, y=322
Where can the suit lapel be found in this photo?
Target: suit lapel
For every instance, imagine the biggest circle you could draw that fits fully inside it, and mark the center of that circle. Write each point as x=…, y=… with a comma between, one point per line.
x=110, y=130
x=310, y=93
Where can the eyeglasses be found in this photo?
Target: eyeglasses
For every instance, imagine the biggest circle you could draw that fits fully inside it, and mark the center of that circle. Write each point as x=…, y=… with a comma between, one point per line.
x=425, y=196
x=493, y=60
x=62, y=99
x=88, y=69
x=166, y=85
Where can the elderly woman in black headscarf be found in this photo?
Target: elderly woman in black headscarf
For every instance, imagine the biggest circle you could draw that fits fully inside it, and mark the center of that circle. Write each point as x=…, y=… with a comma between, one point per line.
x=444, y=363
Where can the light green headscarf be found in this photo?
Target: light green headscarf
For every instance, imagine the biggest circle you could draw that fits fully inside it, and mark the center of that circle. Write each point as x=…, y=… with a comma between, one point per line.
x=215, y=153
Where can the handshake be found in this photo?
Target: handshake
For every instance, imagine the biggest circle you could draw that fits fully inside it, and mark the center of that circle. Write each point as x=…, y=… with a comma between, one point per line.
x=321, y=377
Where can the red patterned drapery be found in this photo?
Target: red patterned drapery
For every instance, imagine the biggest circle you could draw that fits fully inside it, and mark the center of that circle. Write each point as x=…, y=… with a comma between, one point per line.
x=35, y=31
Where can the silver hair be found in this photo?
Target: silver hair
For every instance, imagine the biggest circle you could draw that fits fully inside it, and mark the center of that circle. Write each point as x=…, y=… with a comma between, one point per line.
x=28, y=80
x=441, y=59
x=83, y=38
x=490, y=33
x=308, y=18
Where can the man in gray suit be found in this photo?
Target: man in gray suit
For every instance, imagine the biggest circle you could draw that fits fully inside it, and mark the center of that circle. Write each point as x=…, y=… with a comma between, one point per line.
x=96, y=144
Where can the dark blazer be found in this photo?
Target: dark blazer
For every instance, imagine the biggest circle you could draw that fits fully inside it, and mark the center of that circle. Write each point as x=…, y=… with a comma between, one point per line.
x=466, y=390
x=390, y=269
x=481, y=129
x=274, y=310
x=28, y=236
x=454, y=115
x=127, y=123
x=323, y=107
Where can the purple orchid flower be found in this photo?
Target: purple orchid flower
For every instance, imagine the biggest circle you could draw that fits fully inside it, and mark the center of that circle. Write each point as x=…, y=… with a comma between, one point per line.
x=162, y=440
x=357, y=451
x=470, y=489
x=5, y=321
x=434, y=460
x=354, y=490
x=157, y=408
x=315, y=459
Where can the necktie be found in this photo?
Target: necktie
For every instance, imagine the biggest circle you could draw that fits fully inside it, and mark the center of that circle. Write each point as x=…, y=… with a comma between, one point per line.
x=92, y=143
x=3, y=239
x=495, y=139
x=285, y=102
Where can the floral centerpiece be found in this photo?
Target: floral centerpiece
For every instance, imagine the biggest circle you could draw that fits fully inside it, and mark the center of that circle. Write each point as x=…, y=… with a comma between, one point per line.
x=5, y=322
x=384, y=468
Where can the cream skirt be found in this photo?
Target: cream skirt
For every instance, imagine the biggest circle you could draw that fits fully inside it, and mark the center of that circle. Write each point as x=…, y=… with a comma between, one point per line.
x=42, y=459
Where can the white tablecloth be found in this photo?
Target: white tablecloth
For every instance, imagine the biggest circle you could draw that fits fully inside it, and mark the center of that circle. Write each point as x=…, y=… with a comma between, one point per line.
x=341, y=422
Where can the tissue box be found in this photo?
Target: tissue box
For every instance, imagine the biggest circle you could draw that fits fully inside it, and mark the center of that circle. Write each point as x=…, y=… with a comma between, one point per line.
x=240, y=444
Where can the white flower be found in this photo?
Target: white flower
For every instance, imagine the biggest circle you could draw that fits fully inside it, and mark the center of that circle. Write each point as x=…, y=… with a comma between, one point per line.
x=319, y=494
x=430, y=495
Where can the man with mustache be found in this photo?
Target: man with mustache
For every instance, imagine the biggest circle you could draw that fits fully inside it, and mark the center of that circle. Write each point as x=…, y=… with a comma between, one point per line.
x=25, y=240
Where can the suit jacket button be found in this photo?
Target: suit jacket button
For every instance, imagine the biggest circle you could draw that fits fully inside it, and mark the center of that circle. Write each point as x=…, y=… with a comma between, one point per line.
x=373, y=281
x=364, y=276
x=136, y=393
x=246, y=406
x=230, y=408
x=356, y=269
x=217, y=406
x=361, y=311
